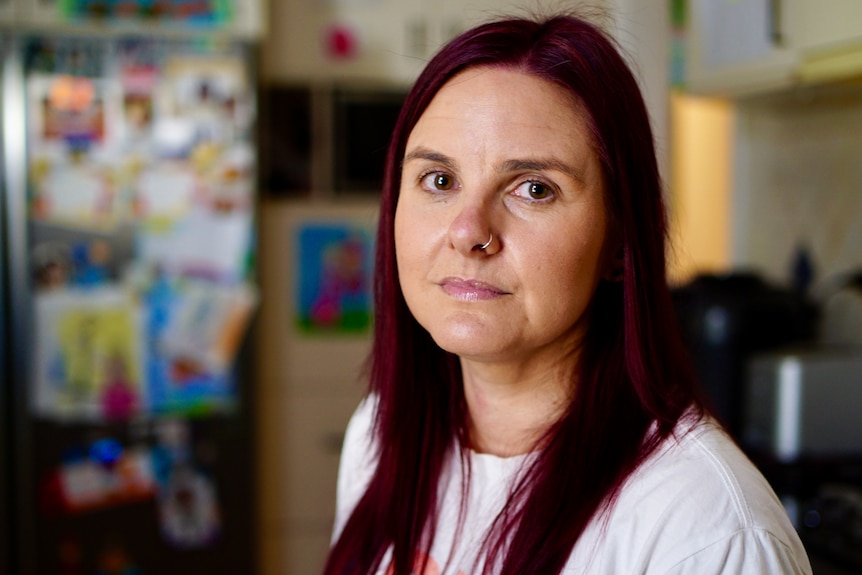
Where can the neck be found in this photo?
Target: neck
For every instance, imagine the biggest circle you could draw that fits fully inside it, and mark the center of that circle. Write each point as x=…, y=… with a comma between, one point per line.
x=510, y=410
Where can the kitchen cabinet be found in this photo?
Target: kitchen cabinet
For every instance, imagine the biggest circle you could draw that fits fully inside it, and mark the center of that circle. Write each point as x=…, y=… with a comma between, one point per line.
x=826, y=24
x=367, y=40
x=740, y=47
x=747, y=47
x=828, y=38
x=386, y=41
x=308, y=386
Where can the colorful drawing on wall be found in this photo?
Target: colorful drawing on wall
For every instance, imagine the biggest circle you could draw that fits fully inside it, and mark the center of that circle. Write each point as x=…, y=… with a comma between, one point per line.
x=334, y=278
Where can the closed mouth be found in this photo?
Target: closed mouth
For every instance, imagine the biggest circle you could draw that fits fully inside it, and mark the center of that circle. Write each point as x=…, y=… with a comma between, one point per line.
x=470, y=290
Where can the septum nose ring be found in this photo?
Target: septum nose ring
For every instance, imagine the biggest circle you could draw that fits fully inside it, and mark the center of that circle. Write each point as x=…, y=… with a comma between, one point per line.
x=488, y=243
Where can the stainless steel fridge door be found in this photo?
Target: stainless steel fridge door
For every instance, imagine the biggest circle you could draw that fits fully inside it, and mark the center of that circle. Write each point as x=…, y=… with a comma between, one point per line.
x=35, y=445
x=5, y=500
x=14, y=307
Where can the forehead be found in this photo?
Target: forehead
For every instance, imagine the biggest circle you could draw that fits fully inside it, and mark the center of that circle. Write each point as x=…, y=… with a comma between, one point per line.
x=489, y=100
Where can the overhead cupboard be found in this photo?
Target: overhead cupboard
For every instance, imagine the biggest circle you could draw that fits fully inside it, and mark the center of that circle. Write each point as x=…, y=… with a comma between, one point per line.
x=381, y=40
x=744, y=47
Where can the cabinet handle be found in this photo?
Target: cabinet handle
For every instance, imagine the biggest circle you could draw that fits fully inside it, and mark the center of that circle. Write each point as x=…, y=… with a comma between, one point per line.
x=774, y=19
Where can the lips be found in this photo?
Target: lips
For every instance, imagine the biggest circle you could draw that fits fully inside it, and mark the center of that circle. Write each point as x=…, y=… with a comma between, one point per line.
x=470, y=290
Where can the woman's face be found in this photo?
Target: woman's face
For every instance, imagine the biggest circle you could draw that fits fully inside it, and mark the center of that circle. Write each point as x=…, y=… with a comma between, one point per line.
x=505, y=154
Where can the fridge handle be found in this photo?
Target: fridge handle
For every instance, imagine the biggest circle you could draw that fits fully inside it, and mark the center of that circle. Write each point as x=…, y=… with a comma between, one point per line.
x=14, y=159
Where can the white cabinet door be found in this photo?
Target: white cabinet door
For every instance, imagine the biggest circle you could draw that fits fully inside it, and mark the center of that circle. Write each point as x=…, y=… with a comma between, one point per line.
x=738, y=47
x=445, y=19
x=828, y=37
x=8, y=10
x=825, y=24
x=382, y=40
x=323, y=40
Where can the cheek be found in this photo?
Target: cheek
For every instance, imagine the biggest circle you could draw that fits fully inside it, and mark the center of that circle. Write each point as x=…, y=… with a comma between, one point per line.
x=408, y=243
x=415, y=230
x=568, y=275
x=403, y=236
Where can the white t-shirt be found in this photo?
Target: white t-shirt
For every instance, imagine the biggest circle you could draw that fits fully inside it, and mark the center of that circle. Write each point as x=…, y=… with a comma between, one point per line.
x=698, y=506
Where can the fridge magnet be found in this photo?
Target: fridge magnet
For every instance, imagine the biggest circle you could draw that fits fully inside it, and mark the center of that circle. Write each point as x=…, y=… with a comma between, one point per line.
x=74, y=111
x=226, y=177
x=139, y=77
x=137, y=113
x=208, y=322
x=209, y=95
x=204, y=244
x=70, y=115
x=334, y=277
x=51, y=264
x=163, y=193
x=92, y=478
x=71, y=175
x=50, y=54
x=89, y=354
x=178, y=384
x=185, y=12
x=74, y=194
x=174, y=444
x=90, y=262
x=188, y=509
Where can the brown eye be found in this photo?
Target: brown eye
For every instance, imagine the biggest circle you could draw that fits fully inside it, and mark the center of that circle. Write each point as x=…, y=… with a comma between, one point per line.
x=442, y=182
x=539, y=191
x=438, y=182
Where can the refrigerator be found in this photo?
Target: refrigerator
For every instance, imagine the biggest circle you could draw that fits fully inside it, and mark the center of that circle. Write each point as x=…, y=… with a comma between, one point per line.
x=127, y=292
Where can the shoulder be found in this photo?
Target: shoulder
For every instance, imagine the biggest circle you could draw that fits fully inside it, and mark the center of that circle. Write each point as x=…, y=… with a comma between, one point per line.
x=698, y=505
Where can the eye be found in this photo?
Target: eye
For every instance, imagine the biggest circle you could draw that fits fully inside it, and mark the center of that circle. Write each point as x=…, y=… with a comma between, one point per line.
x=535, y=190
x=437, y=181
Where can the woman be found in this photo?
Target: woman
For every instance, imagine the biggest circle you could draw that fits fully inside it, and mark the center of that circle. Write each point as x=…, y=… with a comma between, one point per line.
x=530, y=408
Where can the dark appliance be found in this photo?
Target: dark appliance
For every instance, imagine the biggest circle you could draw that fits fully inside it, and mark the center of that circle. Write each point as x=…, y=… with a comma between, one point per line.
x=804, y=403
x=727, y=318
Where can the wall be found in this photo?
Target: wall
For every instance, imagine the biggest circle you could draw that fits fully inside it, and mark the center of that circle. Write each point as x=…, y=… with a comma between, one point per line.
x=307, y=388
x=701, y=161
x=799, y=179
x=642, y=28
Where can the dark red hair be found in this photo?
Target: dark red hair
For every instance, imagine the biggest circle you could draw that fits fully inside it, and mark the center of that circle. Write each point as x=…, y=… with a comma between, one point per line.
x=633, y=375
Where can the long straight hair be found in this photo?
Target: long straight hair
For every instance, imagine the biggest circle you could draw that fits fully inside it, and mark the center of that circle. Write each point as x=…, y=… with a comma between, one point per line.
x=633, y=383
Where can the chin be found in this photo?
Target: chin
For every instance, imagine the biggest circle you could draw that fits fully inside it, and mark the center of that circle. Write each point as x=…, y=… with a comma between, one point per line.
x=466, y=343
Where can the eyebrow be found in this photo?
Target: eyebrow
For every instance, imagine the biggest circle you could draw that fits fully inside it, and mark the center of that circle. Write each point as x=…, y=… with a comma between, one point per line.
x=514, y=165
x=422, y=153
x=541, y=164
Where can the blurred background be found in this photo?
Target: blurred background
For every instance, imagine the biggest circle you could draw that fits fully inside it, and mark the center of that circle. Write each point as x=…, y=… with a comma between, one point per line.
x=187, y=212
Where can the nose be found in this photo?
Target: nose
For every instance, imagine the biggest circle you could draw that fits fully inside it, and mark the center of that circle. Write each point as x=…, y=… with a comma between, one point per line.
x=470, y=231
